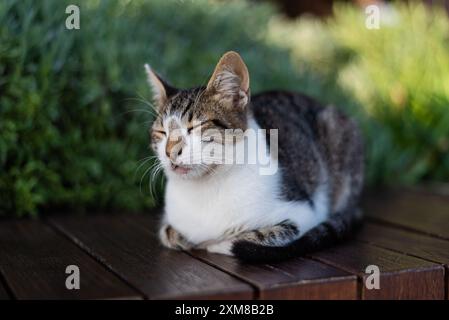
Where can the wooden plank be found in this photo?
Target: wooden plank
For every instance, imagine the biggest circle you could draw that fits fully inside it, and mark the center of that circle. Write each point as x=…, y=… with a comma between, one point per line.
x=128, y=245
x=426, y=247
x=401, y=276
x=414, y=210
x=33, y=260
x=3, y=292
x=418, y=245
x=295, y=279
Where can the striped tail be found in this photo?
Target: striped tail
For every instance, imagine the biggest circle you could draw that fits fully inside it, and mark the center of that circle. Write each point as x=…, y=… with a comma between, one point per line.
x=339, y=227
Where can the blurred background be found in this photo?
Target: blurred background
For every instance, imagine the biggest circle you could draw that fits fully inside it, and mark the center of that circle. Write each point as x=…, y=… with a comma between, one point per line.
x=74, y=112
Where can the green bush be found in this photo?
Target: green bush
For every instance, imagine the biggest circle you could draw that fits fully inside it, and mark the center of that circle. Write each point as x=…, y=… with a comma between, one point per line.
x=394, y=79
x=73, y=112
x=71, y=132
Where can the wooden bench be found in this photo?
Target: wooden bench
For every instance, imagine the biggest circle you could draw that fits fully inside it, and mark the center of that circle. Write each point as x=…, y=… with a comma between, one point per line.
x=406, y=235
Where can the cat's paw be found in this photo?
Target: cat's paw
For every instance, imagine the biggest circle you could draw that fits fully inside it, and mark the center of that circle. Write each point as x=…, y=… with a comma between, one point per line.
x=223, y=247
x=172, y=239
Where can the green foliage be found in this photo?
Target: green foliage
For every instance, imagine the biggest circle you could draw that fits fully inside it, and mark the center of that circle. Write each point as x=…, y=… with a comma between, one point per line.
x=72, y=124
x=73, y=103
x=394, y=79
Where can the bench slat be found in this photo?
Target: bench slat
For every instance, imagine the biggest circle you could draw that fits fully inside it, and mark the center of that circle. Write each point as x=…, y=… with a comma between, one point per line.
x=3, y=293
x=33, y=260
x=401, y=276
x=294, y=279
x=426, y=247
x=128, y=245
x=419, y=211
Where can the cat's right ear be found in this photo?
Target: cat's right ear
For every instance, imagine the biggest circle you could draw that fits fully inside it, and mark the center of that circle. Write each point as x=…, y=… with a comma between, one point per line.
x=161, y=89
x=230, y=81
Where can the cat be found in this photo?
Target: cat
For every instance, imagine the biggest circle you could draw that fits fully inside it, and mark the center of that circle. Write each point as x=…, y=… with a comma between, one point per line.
x=309, y=203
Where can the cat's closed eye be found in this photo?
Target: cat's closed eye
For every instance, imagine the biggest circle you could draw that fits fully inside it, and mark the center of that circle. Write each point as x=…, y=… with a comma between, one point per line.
x=191, y=128
x=159, y=132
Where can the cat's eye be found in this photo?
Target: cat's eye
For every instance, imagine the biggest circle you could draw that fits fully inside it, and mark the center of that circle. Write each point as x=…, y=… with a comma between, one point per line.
x=161, y=132
x=208, y=139
x=189, y=129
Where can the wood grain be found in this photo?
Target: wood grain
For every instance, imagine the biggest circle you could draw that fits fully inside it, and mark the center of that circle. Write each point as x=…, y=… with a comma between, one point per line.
x=295, y=279
x=418, y=245
x=33, y=260
x=401, y=276
x=418, y=211
x=406, y=236
x=128, y=245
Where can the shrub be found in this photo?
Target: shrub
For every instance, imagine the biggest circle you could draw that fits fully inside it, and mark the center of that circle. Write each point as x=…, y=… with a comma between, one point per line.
x=69, y=136
x=73, y=110
x=394, y=79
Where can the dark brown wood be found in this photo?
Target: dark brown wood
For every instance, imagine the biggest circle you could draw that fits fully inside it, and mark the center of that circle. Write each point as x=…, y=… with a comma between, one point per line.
x=401, y=276
x=128, y=245
x=3, y=292
x=294, y=279
x=414, y=210
x=418, y=245
x=406, y=235
x=426, y=247
x=33, y=260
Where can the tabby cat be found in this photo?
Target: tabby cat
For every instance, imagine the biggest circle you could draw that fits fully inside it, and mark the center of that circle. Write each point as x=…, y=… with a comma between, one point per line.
x=309, y=203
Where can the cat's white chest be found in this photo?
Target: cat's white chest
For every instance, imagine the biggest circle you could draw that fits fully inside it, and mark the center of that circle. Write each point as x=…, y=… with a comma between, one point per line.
x=204, y=210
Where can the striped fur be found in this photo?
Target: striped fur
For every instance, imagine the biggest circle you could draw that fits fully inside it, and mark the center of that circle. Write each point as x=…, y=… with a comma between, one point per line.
x=308, y=204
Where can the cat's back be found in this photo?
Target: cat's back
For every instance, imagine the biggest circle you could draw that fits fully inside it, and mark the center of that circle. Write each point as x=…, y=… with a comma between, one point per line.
x=316, y=145
x=281, y=109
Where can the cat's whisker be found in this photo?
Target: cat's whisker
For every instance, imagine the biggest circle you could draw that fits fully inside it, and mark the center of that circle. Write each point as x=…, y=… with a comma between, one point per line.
x=153, y=181
x=138, y=110
x=150, y=104
x=137, y=169
x=154, y=174
x=152, y=110
x=145, y=158
x=146, y=172
x=144, y=161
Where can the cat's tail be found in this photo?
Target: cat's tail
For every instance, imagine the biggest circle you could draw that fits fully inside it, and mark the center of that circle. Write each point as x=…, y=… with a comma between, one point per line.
x=339, y=227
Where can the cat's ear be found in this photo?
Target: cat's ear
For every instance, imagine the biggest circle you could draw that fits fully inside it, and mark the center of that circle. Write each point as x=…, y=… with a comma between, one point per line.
x=161, y=89
x=230, y=81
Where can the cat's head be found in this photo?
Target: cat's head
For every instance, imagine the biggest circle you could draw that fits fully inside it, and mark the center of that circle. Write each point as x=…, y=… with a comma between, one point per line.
x=192, y=122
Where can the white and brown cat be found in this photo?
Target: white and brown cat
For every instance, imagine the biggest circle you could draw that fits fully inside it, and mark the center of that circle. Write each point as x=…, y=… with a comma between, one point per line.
x=308, y=204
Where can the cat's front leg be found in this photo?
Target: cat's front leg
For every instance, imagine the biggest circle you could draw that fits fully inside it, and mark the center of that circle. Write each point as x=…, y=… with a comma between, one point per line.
x=172, y=239
x=279, y=234
x=222, y=247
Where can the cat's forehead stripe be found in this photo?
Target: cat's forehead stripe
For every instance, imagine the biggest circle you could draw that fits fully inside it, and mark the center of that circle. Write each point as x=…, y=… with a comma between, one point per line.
x=172, y=123
x=184, y=102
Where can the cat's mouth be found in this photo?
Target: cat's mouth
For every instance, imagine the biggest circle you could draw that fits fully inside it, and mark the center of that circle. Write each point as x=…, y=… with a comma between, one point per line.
x=180, y=169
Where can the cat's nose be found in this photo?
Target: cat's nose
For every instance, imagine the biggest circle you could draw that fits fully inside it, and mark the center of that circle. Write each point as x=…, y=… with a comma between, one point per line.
x=169, y=153
x=173, y=148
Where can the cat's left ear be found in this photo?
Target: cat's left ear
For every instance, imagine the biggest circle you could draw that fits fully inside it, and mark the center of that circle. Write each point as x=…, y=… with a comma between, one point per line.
x=230, y=81
x=161, y=89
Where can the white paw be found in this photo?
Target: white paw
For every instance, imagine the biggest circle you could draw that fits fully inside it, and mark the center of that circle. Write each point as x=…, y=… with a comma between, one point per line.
x=164, y=237
x=223, y=247
x=173, y=239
